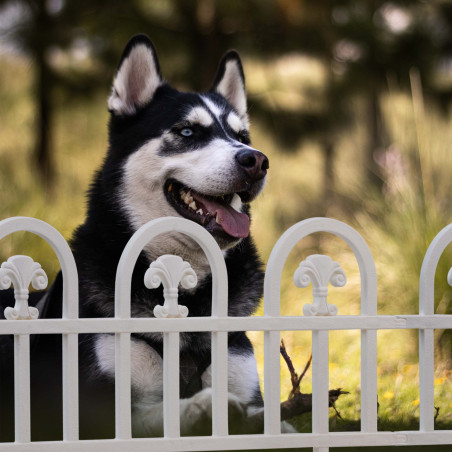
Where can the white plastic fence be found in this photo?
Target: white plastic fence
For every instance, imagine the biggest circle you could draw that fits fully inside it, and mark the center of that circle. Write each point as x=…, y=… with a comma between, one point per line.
x=320, y=318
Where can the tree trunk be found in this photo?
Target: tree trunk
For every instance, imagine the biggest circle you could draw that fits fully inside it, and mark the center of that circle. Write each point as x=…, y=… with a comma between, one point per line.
x=206, y=43
x=328, y=175
x=43, y=142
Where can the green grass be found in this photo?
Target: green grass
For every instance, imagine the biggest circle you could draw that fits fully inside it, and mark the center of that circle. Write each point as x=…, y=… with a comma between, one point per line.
x=398, y=226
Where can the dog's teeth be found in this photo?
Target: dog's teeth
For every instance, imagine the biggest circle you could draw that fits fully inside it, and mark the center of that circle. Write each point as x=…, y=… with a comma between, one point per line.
x=200, y=212
x=186, y=198
x=192, y=205
x=217, y=220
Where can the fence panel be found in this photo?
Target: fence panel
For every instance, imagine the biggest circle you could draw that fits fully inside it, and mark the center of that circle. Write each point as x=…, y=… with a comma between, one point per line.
x=70, y=340
x=319, y=318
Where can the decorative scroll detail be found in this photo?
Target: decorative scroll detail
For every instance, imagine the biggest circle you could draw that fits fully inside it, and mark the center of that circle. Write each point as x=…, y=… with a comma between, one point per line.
x=21, y=271
x=449, y=277
x=318, y=270
x=170, y=271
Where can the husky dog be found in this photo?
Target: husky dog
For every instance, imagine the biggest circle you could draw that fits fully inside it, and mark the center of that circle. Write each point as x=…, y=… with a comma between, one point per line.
x=172, y=153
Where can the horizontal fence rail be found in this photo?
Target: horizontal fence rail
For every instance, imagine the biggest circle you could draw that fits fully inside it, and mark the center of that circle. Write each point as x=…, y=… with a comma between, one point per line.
x=257, y=323
x=171, y=320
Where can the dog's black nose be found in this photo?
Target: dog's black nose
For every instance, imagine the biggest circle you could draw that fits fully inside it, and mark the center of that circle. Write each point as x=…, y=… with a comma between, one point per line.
x=253, y=162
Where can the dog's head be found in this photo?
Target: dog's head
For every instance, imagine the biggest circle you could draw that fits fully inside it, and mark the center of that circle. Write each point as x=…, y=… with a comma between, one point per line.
x=184, y=154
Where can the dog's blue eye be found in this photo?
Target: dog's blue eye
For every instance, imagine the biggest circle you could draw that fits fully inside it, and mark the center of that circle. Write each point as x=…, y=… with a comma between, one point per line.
x=242, y=137
x=187, y=132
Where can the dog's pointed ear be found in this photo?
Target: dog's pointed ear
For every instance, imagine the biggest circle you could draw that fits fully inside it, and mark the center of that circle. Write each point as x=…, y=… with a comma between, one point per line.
x=230, y=82
x=137, y=78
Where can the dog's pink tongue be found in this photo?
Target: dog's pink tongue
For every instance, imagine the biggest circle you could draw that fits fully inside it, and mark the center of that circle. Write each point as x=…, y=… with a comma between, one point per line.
x=233, y=223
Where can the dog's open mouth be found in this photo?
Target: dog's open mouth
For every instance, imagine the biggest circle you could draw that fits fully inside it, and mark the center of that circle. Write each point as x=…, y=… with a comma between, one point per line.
x=215, y=213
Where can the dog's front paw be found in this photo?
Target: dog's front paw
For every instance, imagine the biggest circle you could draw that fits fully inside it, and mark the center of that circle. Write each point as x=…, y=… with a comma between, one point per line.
x=196, y=413
x=286, y=427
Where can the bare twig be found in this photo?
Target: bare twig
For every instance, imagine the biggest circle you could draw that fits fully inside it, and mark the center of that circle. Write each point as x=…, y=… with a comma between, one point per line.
x=294, y=378
x=304, y=370
x=293, y=374
x=436, y=412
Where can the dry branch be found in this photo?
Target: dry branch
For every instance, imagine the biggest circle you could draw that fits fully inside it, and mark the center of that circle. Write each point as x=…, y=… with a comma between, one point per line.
x=302, y=403
x=294, y=378
x=436, y=413
x=297, y=402
x=293, y=374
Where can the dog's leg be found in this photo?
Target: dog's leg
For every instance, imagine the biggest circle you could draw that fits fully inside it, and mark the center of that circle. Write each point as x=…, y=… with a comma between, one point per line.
x=146, y=379
x=243, y=380
x=243, y=384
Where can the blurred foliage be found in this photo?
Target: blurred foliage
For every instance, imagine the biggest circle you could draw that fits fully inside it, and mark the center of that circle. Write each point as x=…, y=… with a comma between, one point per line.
x=73, y=44
x=349, y=99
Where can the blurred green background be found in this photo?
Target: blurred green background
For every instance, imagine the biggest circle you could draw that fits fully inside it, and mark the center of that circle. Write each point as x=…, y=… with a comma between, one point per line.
x=350, y=100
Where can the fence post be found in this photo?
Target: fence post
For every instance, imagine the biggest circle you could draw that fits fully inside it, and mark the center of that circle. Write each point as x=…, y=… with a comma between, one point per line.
x=319, y=270
x=21, y=271
x=170, y=271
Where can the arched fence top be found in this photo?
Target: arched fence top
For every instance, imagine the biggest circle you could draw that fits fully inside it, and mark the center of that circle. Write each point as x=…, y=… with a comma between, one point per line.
x=146, y=234
x=285, y=244
x=428, y=270
x=62, y=251
x=214, y=255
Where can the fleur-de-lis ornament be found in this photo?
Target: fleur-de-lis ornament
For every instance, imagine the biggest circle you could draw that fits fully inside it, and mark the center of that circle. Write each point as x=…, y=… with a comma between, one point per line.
x=318, y=270
x=21, y=271
x=170, y=271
